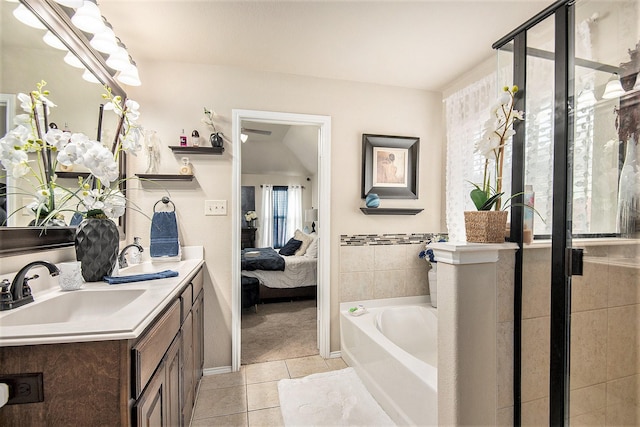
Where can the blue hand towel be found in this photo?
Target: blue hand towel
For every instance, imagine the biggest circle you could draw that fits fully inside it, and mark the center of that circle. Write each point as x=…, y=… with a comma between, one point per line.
x=164, y=235
x=116, y=280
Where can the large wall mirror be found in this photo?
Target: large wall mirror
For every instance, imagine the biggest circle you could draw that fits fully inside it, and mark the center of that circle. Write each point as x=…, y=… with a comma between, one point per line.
x=25, y=59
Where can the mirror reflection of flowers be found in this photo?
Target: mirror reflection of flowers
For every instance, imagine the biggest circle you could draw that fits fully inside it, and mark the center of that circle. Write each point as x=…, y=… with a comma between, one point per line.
x=250, y=216
x=98, y=195
x=427, y=252
x=498, y=130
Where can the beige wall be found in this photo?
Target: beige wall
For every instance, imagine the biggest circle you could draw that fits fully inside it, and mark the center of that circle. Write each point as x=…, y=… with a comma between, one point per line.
x=172, y=99
x=605, y=335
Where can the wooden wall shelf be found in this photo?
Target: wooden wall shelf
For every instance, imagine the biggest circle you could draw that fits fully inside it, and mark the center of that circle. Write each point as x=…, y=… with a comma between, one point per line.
x=62, y=174
x=196, y=150
x=164, y=177
x=390, y=211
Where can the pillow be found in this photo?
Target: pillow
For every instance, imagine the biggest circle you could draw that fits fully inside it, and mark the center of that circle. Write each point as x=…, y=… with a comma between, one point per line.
x=305, y=239
x=290, y=247
x=312, y=249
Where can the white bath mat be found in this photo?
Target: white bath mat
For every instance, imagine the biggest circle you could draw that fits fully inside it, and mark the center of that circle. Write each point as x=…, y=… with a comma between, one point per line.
x=336, y=398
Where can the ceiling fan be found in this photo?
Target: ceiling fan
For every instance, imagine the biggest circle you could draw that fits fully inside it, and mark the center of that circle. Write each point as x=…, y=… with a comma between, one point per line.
x=258, y=131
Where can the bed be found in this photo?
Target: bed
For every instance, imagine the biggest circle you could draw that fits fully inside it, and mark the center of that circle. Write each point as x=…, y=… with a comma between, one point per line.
x=280, y=276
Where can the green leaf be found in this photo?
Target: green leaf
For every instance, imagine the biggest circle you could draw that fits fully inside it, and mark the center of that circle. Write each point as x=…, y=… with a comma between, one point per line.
x=488, y=204
x=478, y=197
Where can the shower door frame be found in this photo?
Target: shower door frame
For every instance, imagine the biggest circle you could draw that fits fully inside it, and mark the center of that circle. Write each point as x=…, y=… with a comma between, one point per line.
x=561, y=251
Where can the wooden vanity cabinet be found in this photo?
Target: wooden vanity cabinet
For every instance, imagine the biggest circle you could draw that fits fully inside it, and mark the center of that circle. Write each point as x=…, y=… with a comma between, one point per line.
x=168, y=398
x=148, y=381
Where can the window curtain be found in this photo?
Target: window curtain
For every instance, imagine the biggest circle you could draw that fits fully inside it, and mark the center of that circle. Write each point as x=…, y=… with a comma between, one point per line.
x=294, y=210
x=265, y=236
x=466, y=112
x=279, y=212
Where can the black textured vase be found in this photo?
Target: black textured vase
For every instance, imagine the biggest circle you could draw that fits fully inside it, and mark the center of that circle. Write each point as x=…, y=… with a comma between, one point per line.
x=97, y=248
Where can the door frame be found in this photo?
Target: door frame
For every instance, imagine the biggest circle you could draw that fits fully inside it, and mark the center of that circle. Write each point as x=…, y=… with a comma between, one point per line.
x=323, y=225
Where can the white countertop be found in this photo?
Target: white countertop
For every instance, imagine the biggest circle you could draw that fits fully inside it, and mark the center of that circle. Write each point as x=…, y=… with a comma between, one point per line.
x=125, y=323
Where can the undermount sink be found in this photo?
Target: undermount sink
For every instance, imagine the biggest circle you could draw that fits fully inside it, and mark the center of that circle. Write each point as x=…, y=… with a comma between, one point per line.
x=75, y=306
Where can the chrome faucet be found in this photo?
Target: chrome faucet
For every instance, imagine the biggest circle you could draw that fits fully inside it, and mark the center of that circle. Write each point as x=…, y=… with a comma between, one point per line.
x=18, y=292
x=122, y=260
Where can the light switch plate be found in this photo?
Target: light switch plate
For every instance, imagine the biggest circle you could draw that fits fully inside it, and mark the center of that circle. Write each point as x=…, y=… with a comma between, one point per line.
x=215, y=207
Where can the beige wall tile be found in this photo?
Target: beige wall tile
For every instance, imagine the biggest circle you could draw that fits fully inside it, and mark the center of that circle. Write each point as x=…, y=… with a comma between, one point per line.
x=413, y=261
x=536, y=283
x=356, y=286
x=588, y=348
x=504, y=417
x=504, y=368
x=595, y=418
x=356, y=258
x=623, y=393
x=622, y=336
x=535, y=358
x=535, y=413
x=390, y=257
x=587, y=400
x=417, y=282
x=389, y=284
x=505, y=272
x=589, y=291
x=624, y=285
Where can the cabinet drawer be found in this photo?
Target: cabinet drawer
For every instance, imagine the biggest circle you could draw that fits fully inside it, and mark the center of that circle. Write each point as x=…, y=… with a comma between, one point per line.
x=197, y=283
x=186, y=298
x=150, y=350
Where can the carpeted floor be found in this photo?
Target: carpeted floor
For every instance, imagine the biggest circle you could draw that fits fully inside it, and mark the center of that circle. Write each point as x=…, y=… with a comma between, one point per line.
x=278, y=331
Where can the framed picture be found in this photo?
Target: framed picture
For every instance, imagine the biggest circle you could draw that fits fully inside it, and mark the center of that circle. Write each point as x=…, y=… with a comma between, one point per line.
x=390, y=166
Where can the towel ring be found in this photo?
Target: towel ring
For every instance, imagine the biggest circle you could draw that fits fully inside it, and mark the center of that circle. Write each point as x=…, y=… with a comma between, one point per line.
x=166, y=200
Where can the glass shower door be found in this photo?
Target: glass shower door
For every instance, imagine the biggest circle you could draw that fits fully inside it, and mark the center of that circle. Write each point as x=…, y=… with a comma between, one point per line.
x=604, y=365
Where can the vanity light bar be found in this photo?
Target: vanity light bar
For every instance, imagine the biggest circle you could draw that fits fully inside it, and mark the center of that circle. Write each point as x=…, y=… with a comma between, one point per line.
x=88, y=19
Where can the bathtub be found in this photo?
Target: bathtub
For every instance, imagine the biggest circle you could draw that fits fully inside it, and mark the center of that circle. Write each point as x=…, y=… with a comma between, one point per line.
x=393, y=349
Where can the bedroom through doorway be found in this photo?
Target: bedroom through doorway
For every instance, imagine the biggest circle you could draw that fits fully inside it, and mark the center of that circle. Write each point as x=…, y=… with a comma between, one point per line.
x=279, y=179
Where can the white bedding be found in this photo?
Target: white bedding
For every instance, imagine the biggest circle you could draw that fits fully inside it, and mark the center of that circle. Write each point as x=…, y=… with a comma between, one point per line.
x=298, y=271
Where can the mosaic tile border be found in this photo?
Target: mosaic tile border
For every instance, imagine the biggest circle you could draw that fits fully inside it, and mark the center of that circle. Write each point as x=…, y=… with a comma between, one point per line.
x=384, y=239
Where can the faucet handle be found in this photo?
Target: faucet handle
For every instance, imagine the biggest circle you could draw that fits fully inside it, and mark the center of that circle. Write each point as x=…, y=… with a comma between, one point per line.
x=5, y=292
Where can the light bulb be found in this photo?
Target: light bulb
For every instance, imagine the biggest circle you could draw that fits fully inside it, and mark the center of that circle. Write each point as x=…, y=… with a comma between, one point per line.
x=119, y=60
x=27, y=17
x=105, y=41
x=88, y=17
x=88, y=76
x=53, y=41
x=613, y=89
x=70, y=3
x=244, y=137
x=130, y=76
x=73, y=60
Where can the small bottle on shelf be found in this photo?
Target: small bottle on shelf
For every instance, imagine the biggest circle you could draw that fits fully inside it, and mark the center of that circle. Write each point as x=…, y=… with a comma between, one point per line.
x=185, y=168
x=195, y=139
x=183, y=139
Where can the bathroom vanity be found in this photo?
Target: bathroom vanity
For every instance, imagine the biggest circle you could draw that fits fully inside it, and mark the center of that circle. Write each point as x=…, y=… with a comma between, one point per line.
x=135, y=357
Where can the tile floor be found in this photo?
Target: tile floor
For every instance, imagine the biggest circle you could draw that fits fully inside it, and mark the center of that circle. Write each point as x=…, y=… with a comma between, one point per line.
x=250, y=397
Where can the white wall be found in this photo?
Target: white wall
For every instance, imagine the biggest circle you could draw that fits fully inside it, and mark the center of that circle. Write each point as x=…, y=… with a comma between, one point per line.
x=172, y=98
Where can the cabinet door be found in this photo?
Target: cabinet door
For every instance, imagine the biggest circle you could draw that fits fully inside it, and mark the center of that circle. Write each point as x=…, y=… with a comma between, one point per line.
x=188, y=369
x=172, y=380
x=151, y=408
x=198, y=336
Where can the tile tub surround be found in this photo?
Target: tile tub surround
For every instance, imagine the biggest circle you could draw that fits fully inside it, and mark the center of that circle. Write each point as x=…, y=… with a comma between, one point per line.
x=475, y=333
x=605, y=328
x=375, y=272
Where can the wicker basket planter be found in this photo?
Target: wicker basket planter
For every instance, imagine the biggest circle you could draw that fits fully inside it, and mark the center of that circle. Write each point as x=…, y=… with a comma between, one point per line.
x=485, y=226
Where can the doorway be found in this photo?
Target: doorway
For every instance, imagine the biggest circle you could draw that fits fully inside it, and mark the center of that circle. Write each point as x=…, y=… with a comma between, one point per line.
x=253, y=119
